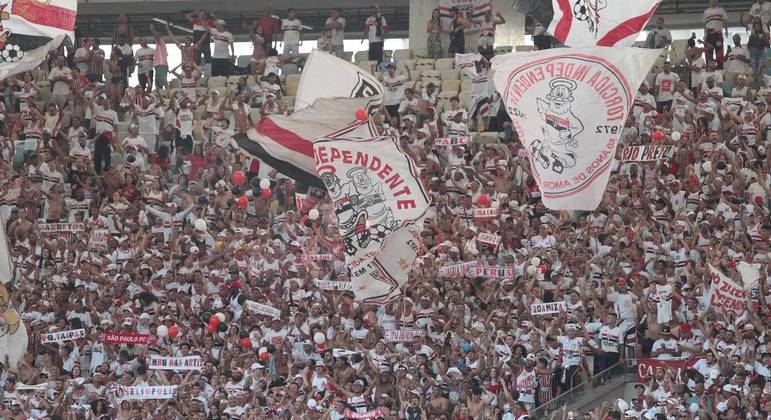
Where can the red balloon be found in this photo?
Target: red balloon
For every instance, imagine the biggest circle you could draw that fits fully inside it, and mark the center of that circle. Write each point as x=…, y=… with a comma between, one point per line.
x=173, y=331
x=215, y=320
x=239, y=178
x=211, y=328
x=266, y=193
x=361, y=114
x=246, y=343
x=657, y=136
x=484, y=200
x=265, y=356
x=242, y=202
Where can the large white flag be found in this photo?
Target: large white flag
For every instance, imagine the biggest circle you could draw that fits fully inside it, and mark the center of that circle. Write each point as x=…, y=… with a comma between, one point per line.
x=583, y=23
x=568, y=106
x=30, y=29
x=13, y=333
x=326, y=76
x=380, y=204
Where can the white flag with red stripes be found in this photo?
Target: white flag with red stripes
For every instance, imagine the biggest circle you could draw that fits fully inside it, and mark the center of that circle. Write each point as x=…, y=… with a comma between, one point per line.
x=569, y=106
x=608, y=23
x=30, y=29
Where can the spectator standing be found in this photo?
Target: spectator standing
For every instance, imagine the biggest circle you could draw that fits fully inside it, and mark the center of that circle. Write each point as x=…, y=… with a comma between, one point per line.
x=658, y=37
x=325, y=42
x=715, y=19
x=487, y=24
x=336, y=22
x=760, y=11
x=188, y=49
x=292, y=29
x=757, y=44
x=145, y=59
x=375, y=29
x=737, y=61
x=106, y=122
x=160, y=60
x=664, y=87
x=95, y=62
x=60, y=77
x=202, y=22
x=434, y=37
x=82, y=54
x=458, y=26
x=223, y=49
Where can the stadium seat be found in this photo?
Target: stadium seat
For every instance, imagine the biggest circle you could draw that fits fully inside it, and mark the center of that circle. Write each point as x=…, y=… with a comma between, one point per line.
x=387, y=55
x=174, y=84
x=202, y=82
x=217, y=82
x=203, y=92
x=243, y=61
x=446, y=95
x=233, y=80
x=415, y=74
x=421, y=53
x=425, y=64
x=465, y=100
x=291, y=84
x=368, y=66
x=405, y=63
x=431, y=75
x=450, y=86
x=347, y=55
x=400, y=55
x=503, y=49
x=289, y=68
x=444, y=64
x=361, y=56
x=523, y=48
x=451, y=74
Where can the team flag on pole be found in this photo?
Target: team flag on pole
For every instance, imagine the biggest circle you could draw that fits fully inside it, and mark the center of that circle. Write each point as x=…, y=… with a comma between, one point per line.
x=380, y=204
x=30, y=29
x=326, y=76
x=568, y=106
x=286, y=142
x=608, y=23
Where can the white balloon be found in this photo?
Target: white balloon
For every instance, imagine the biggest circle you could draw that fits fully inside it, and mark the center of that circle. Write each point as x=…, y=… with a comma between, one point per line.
x=200, y=225
x=264, y=184
x=163, y=331
x=319, y=338
x=535, y=261
x=221, y=316
x=313, y=214
x=675, y=136
x=622, y=405
x=530, y=270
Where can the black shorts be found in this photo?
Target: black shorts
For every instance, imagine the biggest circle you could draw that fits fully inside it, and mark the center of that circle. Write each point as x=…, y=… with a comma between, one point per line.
x=184, y=144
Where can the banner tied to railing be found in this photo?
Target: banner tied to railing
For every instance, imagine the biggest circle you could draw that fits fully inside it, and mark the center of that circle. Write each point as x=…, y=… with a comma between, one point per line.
x=457, y=269
x=452, y=141
x=175, y=363
x=128, y=337
x=538, y=309
x=333, y=285
x=60, y=336
x=261, y=309
x=491, y=272
x=399, y=336
x=648, y=153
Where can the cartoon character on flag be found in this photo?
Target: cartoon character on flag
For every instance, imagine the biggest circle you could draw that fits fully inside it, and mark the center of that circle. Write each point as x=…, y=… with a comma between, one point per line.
x=560, y=129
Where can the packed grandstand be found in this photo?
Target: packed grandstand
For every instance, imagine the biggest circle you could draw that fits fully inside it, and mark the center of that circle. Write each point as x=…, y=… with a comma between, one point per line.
x=187, y=245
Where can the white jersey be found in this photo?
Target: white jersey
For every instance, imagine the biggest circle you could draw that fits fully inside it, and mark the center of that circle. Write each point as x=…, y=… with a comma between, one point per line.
x=526, y=386
x=624, y=305
x=714, y=17
x=571, y=350
x=666, y=86
x=611, y=338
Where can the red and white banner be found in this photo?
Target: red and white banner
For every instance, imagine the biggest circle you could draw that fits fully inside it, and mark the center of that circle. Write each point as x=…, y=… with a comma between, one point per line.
x=60, y=336
x=470, y=9
x=724, y=294
x=457, y=269
x=569, y=106
x=175, y=363
x=486, y=213
x=260, y=309
x=538, y=309
x=491, y=272
x=400, y=336
x=489, y=239
x=648, y=153
x=327, y=76
x=127, y=337
x=154, y=392
x=583, y=23
x=30, y=29
x=452, y=141
x=647, y=367
x=380, y=204
x=378, y=412
x=333, y=285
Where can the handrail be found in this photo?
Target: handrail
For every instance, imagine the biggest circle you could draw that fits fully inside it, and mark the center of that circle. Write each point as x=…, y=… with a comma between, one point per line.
x=569, y=395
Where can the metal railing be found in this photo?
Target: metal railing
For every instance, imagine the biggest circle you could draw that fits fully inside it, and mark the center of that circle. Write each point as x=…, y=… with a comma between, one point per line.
x=553, y=408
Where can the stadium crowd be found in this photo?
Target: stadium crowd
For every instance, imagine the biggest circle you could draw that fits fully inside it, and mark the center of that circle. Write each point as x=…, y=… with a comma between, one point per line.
x=162, y=231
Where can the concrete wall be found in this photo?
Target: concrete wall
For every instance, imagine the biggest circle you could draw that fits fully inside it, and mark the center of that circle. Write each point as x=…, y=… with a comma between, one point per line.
x=512, y=33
